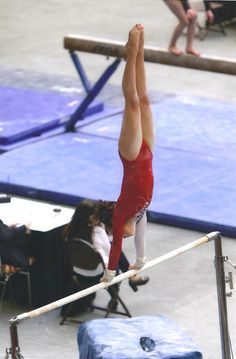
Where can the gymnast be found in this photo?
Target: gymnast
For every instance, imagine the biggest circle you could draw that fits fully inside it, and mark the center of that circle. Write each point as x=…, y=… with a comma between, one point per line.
x=127, y=216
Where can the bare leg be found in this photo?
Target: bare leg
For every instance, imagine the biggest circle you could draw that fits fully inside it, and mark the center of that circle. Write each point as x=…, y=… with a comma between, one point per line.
x=178, y=10
x=146, y=113
x=191, y=32
x=130, y=139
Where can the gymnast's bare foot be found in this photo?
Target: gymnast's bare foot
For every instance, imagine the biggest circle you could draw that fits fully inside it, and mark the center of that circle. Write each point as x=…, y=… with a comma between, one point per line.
x=133, y=41
x=175, y=51
x=141, y=39
x=193, y=52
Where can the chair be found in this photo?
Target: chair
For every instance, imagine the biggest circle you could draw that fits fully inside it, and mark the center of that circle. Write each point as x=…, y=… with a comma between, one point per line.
x=83, y=255
x=5, y=279
x=222, y=11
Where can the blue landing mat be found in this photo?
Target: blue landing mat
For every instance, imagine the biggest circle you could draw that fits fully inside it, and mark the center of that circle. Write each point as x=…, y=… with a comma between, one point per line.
x=194, y=165
x=92, y=118
x=191, y=190
x=184, y=123
x=26, y=113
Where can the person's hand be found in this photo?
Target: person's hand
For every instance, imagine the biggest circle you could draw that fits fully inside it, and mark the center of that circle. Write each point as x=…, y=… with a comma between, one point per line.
x=13, y=225
x=210, y=16
x=8, y=268
x=31, y=261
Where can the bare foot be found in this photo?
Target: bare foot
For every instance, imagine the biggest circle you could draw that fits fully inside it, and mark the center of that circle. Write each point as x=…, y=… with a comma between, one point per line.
x=175, y=51
x=193, y=52
x=141, y=40
x=133, y=41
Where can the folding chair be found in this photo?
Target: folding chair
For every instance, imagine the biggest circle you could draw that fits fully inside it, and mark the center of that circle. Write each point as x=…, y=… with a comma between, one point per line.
x=5, y=279
x=83, y=255
x=218, y=9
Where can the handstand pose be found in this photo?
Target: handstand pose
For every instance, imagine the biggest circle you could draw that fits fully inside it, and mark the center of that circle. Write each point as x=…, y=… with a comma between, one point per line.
x=127, y=216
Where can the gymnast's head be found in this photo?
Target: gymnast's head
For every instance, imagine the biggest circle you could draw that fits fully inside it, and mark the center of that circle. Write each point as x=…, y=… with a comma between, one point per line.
x=103, y=215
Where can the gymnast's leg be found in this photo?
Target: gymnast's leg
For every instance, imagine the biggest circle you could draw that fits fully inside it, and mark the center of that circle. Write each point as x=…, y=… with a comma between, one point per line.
x=130, y=139
x=145, y=108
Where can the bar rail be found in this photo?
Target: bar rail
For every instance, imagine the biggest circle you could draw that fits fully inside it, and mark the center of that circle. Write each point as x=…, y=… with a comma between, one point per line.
x=73, y=42
x=83, y=293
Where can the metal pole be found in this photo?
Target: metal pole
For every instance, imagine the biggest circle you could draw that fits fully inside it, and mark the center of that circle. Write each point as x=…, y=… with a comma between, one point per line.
x=222, y=305
x=14, y=351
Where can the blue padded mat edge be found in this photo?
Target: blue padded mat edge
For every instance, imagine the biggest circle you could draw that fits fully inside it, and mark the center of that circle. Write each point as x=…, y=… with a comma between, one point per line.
x=114, y=338
x=26, y=113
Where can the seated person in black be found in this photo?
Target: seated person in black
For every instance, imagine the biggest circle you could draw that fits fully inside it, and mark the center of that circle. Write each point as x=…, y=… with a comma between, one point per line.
x=15, y=247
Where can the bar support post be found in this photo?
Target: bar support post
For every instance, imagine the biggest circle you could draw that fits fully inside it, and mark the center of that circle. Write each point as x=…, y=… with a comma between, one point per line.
x=221, y=294
x=14, y=350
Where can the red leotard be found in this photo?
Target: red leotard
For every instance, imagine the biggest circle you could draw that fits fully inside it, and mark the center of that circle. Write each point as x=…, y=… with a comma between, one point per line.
x=135, y=197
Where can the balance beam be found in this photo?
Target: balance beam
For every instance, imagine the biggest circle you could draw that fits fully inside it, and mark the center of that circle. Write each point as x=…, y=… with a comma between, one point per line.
x=117, y=49
x=83, y=293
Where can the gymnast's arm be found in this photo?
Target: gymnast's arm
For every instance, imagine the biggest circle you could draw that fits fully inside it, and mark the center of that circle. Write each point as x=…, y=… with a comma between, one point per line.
x=118, y=224
x=140, y=242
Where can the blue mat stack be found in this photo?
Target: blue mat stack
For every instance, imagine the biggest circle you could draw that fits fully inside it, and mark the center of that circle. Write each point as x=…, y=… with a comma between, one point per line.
x=29, y=113
x=120, y=339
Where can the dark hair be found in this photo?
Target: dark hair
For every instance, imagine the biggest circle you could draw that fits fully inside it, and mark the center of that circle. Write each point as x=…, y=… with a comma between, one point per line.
x=103, y=214
x=80, y=226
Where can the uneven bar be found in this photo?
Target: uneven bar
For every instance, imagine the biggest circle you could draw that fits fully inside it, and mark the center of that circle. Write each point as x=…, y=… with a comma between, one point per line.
x=83, y=293
x=117, y=49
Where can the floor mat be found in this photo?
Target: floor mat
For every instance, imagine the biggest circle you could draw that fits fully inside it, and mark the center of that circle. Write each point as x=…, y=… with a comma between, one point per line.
x=194, y=165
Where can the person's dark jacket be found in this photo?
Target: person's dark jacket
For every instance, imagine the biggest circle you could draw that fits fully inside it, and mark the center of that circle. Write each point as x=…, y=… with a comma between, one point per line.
x=13, y=245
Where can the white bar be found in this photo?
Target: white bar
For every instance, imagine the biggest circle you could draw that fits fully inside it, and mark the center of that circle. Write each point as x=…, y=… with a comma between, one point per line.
x=119, y=278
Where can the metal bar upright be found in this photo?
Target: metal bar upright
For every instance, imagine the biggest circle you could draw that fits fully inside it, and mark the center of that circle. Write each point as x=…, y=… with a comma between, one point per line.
x=79, y=68
x=221, y=294
x=93, y=92
x=14, y=351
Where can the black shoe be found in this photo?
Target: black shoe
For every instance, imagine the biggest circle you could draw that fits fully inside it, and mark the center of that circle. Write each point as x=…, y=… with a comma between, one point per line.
x=134, y=283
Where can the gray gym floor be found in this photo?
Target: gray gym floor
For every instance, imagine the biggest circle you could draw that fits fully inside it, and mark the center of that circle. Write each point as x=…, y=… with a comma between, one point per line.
x=183, y=288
